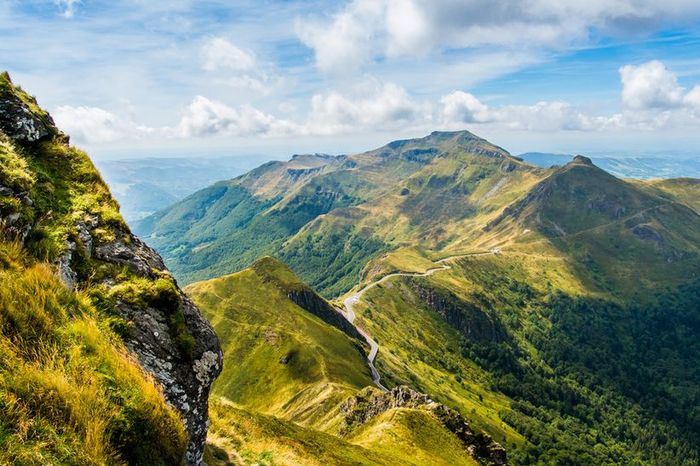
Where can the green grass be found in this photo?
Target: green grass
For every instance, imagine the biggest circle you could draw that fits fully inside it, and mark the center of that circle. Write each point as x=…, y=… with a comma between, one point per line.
x=418, y=348
x=564, y=382
x=70, y=393
x=685, y=190
x=414, y=437
x=279, y=358
x=240, y=436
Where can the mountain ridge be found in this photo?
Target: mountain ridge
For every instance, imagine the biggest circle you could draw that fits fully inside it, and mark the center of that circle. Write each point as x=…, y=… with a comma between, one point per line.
x=58, y=221
x=286, y=207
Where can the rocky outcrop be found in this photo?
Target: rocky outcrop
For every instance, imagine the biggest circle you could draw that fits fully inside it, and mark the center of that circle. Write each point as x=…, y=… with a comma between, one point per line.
x=167, y=333
x=370, y=403
x=18, y=121
x=186, y=377
x=13, y=224
x=647, y=233
x=307, y=299
x=582, y=159
x=279, y=275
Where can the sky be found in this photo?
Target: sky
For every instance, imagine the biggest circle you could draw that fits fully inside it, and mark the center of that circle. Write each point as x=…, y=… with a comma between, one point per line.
x=270, y=78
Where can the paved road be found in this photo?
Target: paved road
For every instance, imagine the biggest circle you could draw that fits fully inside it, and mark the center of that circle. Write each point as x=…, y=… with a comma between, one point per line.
x=349, y=303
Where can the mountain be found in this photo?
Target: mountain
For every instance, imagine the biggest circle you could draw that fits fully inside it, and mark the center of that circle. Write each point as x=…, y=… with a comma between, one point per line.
x=554, y=309
x=295, y=374
x=103, y=359
x=625, y=237
x=146, y=185
x=374, y=201
x=626, y=167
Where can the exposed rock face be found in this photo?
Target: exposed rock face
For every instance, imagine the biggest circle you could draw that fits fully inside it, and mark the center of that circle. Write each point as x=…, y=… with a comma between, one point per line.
x=13, y=225
x=186, y=376
x=19, y=122
x=371, y=403
x=312, y=302
x=582, y=159
x=186, y=380
x=647, y=233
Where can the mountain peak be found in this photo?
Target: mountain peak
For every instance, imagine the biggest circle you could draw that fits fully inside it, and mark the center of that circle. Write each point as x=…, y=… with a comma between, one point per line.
x=445, y=135
x=445, y=141
x=580, y=159
x=21, y=118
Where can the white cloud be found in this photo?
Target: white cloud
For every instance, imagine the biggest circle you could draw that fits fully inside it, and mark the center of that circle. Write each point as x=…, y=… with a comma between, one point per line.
x=218, y=53
x=407, y=27
x=372, y=105
x=373, y=29
x=204, y=117
x=349, y=40
x=650, y=85
x=692, y=100
x=651, y=96
x=236, y=67
x=95, y=125
x=462, y=107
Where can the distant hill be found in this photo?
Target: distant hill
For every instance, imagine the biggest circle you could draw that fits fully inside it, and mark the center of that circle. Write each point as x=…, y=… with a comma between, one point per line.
x=328, y=217
x=147, y=185
x=626, y=167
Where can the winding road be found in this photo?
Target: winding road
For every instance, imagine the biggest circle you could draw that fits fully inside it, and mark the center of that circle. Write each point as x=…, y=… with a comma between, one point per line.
x=350, y=302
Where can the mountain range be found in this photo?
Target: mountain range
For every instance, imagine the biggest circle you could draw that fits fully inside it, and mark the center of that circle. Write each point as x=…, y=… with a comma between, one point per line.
x=433, y=301
x=554, y=308
x=144, y=186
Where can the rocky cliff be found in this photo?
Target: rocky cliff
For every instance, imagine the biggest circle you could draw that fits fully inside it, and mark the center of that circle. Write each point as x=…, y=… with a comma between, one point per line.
x=55, y=205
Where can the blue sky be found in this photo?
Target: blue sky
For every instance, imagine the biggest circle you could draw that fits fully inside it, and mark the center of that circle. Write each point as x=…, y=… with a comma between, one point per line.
x=272, y=78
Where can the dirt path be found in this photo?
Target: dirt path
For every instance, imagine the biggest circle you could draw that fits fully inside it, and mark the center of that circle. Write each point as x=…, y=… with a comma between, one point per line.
x=349, y=303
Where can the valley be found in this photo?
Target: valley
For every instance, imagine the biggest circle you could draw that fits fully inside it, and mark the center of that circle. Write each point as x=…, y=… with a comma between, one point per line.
x=354, y=299
x=471, y=292
x=350, y=233
x=432, y=301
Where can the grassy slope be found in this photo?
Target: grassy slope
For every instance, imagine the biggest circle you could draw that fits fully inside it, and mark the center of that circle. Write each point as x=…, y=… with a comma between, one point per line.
x=242, y=437
x=685, y=190
x=260, y=327
x=412, y=436
x=417, y=348
x=70, y=394
x=517, y=389
x=621, y=238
